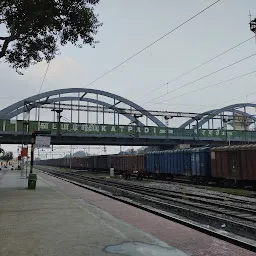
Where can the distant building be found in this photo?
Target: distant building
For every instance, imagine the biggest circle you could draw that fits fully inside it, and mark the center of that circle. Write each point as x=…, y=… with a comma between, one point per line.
x=241, y=123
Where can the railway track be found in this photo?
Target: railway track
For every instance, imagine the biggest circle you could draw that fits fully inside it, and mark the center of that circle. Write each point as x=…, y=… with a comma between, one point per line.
x=226, y=198
x=210, y=211
x=199, y=202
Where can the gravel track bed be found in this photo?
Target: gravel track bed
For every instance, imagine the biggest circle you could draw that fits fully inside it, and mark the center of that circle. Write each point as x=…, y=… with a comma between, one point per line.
x=234, y=200
x=179, y=202
x=221, y=215
x=243, y=201
x=202, y=191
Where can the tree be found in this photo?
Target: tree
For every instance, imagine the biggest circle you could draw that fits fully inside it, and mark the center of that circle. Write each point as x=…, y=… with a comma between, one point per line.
x=36, y=27
x=8, y=156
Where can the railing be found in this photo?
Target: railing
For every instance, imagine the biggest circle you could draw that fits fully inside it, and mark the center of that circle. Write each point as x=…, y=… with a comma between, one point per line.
x=108, y=130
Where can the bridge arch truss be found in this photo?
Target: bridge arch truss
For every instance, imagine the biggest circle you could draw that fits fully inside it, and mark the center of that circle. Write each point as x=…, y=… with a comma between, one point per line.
x=205, y=117
x=81, y=95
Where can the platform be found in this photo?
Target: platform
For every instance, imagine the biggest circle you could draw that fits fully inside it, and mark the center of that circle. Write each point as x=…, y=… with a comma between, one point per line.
x=61, y=219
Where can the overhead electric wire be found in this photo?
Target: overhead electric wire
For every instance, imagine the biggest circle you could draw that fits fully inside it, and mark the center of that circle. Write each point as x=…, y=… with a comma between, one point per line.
x=244, y=96
x=45, y=74
x=223, y=102
x=209, y=86
x=199, y=79
x=199, y=66
x=148, y=46
x=226, y=101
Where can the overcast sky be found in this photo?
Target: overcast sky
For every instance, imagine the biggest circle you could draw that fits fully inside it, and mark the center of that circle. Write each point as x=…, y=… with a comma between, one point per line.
x=131, y=25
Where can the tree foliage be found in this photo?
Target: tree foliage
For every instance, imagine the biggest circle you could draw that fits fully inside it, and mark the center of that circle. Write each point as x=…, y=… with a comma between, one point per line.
x=35, y=27
x=141, y=150
x=8, y=156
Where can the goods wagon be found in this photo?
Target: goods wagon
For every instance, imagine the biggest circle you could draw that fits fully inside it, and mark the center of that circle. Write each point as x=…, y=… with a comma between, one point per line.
x=89, y=163
x=139, y=165
x=192, y=163
x=153, y=162
x=129, y=164
x=234, y=165
x=102, y=163
x=117, y=162
x=77, y=163
x=187, y=162
x=201, y=164
x=175, y=163
x=229, y=165
x=62, y=162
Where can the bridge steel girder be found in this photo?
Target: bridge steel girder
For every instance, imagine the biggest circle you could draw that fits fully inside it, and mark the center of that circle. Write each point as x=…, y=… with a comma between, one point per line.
x=69, y=139
x=190, y=121
x=40, y=96
x=102, y=103
x=206, y=116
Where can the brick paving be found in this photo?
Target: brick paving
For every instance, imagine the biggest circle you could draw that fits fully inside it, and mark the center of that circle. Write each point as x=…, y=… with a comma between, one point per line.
x=186, y=239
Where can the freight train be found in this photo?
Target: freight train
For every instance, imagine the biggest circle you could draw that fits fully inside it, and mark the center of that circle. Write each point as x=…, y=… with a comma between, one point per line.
x=228, y=165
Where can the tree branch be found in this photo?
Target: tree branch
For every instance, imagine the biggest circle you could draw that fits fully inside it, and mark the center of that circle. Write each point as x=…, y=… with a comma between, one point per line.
x=4, y=37
x=7, y=40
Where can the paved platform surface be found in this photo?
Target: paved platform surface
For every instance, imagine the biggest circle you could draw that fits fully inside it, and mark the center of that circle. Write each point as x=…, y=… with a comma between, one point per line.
x=59, y=218
x=47, y=222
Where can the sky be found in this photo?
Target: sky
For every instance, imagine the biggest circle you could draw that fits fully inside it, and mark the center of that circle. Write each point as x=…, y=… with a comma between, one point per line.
x=129, y=26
